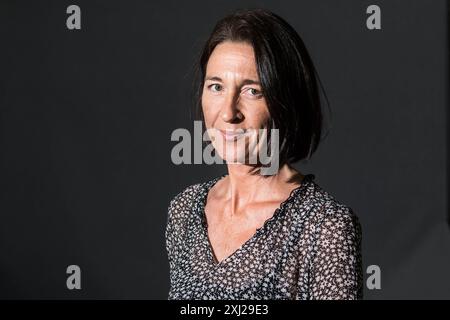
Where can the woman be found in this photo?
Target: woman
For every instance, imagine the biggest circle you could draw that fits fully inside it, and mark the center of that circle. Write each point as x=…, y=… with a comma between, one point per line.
x=246, y=235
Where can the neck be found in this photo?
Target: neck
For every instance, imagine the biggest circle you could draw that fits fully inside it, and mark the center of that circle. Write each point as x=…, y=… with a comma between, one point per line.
x=243, y=187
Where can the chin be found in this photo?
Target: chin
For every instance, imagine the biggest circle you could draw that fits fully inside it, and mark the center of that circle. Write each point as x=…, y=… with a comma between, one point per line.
x=238, y=157
x=232, y=153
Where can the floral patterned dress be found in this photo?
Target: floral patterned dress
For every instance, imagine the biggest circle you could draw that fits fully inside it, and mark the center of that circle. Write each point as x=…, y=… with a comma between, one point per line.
x=309, y=249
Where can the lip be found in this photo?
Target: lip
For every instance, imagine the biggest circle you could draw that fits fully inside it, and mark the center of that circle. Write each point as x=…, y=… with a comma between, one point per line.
x=231, y=135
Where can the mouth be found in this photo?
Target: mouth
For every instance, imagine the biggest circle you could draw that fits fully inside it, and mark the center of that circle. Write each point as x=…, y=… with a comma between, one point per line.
x=232, y=135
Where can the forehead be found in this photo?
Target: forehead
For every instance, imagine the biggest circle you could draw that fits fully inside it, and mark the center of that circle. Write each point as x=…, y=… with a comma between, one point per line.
x=232, y=59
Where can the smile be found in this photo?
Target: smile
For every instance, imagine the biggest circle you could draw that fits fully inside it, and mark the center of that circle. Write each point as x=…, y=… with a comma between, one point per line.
x=232, y=135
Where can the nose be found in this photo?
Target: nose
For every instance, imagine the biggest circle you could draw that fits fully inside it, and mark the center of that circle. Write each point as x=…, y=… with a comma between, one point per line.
x=230, y=110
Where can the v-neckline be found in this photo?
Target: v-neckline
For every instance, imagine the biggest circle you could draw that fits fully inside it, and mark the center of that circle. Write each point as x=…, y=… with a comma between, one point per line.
x=210, y=250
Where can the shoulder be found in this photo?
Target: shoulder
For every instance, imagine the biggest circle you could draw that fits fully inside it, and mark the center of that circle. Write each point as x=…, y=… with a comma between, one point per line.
x=186, y=196
x=182, y=211
x=333, y=232
x=179, y=214
x=327, y=214
x=182, y=203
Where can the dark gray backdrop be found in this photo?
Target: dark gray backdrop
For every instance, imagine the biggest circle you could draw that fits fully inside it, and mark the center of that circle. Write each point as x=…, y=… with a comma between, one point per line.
x=86, y=118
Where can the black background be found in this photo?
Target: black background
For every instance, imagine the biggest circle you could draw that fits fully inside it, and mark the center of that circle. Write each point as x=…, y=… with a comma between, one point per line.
x=86, y=117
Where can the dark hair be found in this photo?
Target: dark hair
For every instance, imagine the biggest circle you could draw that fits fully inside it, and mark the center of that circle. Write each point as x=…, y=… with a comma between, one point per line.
x=286, y=72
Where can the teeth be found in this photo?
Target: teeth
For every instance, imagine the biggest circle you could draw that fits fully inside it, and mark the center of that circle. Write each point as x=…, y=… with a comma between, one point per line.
x=232, y=135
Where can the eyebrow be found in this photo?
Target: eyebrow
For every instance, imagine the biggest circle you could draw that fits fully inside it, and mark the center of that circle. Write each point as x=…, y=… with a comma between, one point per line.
x=244, y=82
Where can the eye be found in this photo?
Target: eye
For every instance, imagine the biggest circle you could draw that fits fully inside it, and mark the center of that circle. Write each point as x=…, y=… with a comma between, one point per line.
x=254, y=92
x=215, y=87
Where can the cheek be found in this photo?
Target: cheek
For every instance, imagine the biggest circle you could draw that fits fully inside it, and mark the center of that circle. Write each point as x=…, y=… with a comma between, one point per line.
x=205, y=107
x=209, y=107
x=260, y=117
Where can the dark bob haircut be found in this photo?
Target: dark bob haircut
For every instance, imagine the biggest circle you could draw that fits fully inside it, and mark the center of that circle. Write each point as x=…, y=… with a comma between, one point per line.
x=287, y=76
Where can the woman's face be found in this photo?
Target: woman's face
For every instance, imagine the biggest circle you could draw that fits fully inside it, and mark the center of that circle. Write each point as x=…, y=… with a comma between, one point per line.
x=232, y=101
